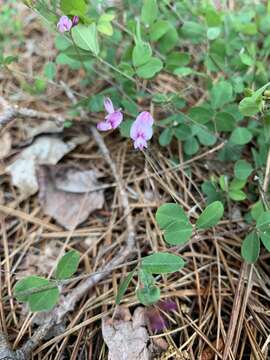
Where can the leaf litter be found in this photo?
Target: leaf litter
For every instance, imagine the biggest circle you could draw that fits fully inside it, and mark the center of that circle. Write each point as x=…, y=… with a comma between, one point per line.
x=69, y=194
x=45, y=150
x=126, y=336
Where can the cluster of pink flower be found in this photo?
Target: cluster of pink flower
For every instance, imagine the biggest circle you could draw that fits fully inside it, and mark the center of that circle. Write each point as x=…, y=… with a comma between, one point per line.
x=141, y=130
x=65, y=23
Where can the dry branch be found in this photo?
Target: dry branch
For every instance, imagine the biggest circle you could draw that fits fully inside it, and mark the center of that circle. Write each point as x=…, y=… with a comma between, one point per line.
x=8, y=112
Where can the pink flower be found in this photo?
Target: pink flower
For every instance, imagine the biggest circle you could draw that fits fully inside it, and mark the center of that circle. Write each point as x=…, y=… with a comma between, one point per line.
x=75, y=20
x=167, y=305
x=141, y=130
x=64, y=24
x=113, y=119
x=156, y=319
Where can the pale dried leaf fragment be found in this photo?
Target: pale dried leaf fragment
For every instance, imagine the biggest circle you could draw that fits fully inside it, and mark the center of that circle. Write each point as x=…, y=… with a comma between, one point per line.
x=71, y=202
x=5, y=145
x=46, y=150
x=126, y=340
x=32, y=129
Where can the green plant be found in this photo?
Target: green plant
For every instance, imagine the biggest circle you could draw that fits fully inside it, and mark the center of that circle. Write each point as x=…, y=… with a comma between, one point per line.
x=42, y=294
x=224, y=72
x=177, y=230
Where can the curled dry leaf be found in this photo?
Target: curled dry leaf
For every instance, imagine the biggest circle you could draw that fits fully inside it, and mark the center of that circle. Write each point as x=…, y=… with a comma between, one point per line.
x=31, y=129
x=69, y=194
x=46, y=150
x=5, y=145
x=126, y=340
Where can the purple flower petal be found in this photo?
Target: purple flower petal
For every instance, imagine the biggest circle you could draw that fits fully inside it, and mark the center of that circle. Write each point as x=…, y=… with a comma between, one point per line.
x=167, y=305
x=75, y=20
x=141, y=130
x=145, y=118
x=140, y=143
x=156, y=320
x=64, y=24
x=104, y=126
x=108, y=105
x=115, y=119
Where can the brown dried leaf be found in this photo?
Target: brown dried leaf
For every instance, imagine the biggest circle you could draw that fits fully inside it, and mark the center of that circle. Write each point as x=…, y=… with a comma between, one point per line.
x=68, y=208
x=126, y=340
x=209, y=353
x=44, y=150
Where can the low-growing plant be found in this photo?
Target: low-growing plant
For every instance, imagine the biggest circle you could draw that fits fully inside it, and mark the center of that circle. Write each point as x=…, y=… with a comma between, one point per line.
x=43, y=294
x=229, y=76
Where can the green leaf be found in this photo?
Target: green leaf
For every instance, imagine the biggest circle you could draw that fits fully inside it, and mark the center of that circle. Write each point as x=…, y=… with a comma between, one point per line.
x=221, y=94
x=211, y=215
x=125, y=128
x=73, y=7
x=146, y=278
x=148, y=70
x=123, y=286
x=44, y=300
x=169, y=40
x=265, y=238
x=178, y=233
x=104, y=25
x=237, y=195
x=206, y=137
x=263, y=222
x=225, y=122
x=126, y=69
x=183, y=71
x=213, y=33
x=40, y=293
x=191, y=146
x=170, y=213
x=257, y=209
x=194, y=31
x=237, y=184
x=240, y=136
x=50, y=70
x=67, y=265
x=242, y=169
x=158, y=29
x=149, y=11
x=85, y=37
x=182, y=132
x=246, y=59
x=249, y=106
x=251, y=248
x=200, y=115
x=176, y=59
x=211, y=191
x=162, y=263
x=148, y=296
x=165, y=137
x=141, y=54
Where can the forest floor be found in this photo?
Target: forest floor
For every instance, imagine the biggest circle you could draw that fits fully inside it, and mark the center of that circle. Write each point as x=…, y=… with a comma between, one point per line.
x=222, y=304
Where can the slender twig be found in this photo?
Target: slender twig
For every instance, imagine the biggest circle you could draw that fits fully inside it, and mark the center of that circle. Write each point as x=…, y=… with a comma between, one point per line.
x=235, y=312
x=9, y=112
